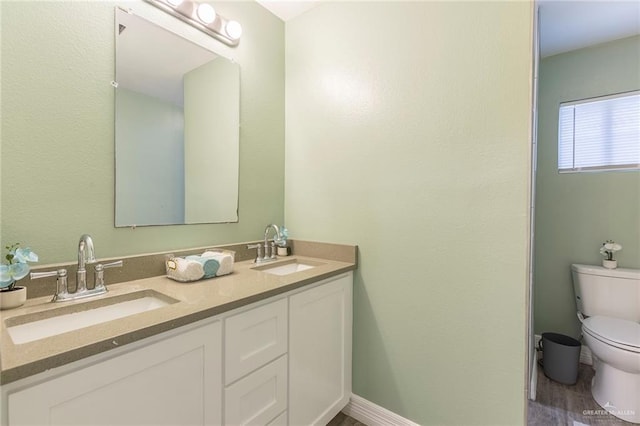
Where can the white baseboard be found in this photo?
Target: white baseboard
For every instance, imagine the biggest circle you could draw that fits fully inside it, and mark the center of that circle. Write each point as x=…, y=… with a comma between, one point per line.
x=533, y=386
x=373, y=415
x=585, y=352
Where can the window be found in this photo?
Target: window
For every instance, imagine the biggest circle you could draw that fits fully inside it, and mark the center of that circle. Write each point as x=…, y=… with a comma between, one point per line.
x=600, y=134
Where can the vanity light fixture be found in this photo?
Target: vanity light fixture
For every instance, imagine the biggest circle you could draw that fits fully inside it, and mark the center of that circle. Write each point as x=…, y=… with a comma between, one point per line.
x=233, y=29
x=203, y=17
x=206, y=13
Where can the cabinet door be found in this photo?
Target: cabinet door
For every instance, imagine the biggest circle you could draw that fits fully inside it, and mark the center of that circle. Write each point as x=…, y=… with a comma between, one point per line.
x=259, y=397
x=320, y=351
x=176, y=381
x=254, y=338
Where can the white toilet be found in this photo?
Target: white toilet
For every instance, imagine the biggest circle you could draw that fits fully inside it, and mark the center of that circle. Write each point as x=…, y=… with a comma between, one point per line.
x=608, y=303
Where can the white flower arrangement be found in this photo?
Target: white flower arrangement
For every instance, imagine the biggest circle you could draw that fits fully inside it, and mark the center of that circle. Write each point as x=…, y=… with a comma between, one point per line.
x=16, y=267
x=608, y=248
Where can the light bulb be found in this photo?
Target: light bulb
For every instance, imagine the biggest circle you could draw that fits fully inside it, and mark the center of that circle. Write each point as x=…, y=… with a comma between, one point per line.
x=175, y=3
x=233, y=29
x=206, y=13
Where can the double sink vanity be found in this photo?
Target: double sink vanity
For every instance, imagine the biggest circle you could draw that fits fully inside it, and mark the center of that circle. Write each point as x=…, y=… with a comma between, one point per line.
x=268, y=344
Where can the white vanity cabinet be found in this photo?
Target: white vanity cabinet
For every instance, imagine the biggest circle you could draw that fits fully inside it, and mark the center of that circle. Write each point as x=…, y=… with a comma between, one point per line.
x=173, y=381
x=281, y=361
x=300, y=345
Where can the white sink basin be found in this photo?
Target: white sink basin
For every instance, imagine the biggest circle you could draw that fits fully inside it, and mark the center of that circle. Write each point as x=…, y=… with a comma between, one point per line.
x=27, y=328
x=287, y=267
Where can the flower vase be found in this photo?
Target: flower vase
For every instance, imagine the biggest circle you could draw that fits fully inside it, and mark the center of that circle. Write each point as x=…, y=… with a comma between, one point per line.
x=13, y=298
x=610, y=264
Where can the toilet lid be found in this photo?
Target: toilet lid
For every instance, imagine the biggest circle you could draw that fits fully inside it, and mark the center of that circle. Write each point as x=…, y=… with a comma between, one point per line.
x=614, y=330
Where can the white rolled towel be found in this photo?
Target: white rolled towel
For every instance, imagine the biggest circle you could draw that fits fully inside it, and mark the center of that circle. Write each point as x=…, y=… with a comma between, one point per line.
x=184, y=270
x=224, y=259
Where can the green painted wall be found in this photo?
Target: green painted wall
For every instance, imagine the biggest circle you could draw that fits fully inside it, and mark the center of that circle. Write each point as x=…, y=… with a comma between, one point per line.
x=408, y=133
x=576, y=212
x=58, y=129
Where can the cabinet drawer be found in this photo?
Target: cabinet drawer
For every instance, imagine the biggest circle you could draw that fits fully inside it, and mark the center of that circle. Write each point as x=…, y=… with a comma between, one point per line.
x=259, y=398
x=253, y=338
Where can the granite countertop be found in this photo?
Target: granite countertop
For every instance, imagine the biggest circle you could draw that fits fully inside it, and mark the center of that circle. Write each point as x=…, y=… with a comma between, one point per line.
x=195, y=301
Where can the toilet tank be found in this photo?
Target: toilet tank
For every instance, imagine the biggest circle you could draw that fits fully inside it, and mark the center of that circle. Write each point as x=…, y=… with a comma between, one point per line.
x=610, y=292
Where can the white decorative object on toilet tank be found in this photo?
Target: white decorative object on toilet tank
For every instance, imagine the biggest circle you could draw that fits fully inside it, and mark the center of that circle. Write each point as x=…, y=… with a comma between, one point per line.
x=608, y=248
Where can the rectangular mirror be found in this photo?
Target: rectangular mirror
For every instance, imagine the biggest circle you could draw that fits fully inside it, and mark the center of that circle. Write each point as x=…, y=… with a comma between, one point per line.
x=176, y=128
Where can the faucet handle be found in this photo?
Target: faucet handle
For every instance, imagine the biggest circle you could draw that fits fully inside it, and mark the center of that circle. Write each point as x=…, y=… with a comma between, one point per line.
x=99, y=273
x=116, y=264
x=259, y=253
x=61, y=283
x=57, y=272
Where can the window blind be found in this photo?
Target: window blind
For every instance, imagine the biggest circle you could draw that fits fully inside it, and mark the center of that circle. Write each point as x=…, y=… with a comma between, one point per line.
x=600, y=133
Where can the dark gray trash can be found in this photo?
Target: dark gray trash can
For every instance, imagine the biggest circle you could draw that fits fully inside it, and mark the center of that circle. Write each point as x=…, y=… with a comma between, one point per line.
x=560, y=357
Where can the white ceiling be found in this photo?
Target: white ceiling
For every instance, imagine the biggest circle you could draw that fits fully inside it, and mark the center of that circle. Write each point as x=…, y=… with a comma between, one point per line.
x=288, y=9
x=564, y=24
x=573, y=24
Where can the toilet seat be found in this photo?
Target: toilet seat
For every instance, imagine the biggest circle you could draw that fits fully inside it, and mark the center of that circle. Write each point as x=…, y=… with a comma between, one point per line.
x=620, y=333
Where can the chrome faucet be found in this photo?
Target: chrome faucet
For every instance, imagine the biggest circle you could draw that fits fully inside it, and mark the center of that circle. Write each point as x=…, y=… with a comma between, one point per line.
x=268, y=250
x=276, y=240
x=86, y=255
